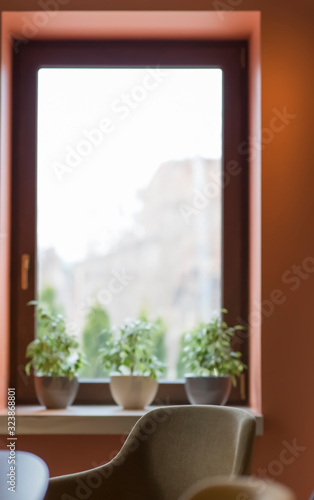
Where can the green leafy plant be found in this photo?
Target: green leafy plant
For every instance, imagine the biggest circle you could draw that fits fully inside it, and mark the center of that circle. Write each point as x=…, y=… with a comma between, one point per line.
x=159, y=338
x=54, y=352
x=207, y=350
x=95, y=335
x=131, y=353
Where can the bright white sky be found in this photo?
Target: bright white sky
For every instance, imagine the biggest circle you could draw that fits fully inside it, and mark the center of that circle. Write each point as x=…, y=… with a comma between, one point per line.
x=88, y=206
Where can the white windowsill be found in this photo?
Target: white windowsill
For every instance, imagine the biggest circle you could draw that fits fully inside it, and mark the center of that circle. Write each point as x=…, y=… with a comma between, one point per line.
x=97, y=420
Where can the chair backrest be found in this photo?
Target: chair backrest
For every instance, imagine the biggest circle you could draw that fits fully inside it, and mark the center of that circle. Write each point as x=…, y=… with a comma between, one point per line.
x=168, y=450
x=173, y=447
x=23, y=475
x=231, y=488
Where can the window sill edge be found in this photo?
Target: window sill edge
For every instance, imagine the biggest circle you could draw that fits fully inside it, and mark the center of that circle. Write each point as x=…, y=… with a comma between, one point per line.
x=88, y=420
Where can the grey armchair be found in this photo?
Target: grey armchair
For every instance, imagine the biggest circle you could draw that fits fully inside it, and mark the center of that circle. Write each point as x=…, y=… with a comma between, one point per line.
x=168, y=450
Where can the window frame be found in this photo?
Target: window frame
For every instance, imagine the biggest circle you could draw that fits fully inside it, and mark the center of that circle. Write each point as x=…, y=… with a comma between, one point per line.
x=231, y=57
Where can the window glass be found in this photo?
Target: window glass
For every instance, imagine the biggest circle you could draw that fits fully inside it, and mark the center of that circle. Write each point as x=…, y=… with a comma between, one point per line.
x=129, y=202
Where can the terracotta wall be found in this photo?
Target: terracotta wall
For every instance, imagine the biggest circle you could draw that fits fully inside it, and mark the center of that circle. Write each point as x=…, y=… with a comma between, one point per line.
x=67, y=454
x=286, y=451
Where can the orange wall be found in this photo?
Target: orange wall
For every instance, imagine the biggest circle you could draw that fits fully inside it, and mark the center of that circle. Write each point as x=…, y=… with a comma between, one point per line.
x=287, y=339
x=5, y=159
x=69, y=454
x=287, y=241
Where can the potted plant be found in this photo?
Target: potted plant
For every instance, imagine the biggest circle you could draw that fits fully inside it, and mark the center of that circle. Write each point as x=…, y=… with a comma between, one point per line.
x=55, y=359
x=134, y=368
x=213, y=364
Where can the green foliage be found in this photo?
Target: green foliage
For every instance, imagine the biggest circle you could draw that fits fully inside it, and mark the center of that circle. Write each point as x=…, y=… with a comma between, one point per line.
x=47, y=298
x=53, y=353
x=158, y=339
x=132, y=352
x=96, y=333
x=180, y=361
x=207, y=350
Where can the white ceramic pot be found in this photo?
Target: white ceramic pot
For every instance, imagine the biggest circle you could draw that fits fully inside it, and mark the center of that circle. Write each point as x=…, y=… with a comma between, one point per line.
x=133, y=392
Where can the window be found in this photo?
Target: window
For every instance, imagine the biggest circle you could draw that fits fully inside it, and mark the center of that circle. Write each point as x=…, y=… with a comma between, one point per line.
x=129, y=192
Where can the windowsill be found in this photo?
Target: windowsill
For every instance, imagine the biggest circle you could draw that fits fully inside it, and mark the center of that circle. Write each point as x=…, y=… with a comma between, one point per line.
x=97, y=420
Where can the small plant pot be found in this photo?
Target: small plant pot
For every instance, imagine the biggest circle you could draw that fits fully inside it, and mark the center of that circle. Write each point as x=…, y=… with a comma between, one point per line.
x=133, y=392
x=56, y=392
x=207, y=390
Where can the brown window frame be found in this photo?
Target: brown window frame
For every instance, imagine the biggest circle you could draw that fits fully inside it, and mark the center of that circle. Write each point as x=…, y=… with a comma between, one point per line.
x=231, y=57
